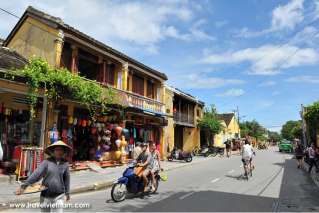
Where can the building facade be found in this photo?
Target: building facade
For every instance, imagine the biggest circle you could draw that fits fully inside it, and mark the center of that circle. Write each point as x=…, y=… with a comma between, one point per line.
x=183, y=112
x=139, y=87
x=231, y=129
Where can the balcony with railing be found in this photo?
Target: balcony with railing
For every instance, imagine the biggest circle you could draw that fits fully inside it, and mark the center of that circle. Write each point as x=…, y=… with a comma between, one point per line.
x=140, y=102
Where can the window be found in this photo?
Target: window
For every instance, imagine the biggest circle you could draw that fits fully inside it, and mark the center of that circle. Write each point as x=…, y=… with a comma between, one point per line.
x=150, y=89
x=88, y=66
x=66, y=56
x=198, y=113
x=138, y=85
x=110, y=74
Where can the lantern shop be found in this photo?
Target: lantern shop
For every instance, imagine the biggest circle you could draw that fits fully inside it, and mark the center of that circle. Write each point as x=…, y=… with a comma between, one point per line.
x=100, y=140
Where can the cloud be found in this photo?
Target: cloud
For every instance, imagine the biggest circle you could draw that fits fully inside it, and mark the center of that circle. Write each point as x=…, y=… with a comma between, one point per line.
x=266, y=59
x=141, y=23
x=220, y=24
x=284, y=17
x=264, y=104
x=195, y=33
x=232, y=93
x=194, y=81
x=304, y=79
x=287, y=16
x=275, y=93
x=267, y=83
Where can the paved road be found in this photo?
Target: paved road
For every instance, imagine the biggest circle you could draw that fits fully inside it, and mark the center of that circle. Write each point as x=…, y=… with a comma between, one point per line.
x=216, y=185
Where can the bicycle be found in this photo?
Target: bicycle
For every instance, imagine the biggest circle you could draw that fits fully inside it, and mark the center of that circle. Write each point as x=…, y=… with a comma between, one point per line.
x=248, y=169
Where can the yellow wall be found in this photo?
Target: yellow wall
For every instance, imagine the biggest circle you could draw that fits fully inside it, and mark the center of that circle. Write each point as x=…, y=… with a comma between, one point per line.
x=191, y=138
x=34, y=39
x=228, y=132
x=169, y=129
x=219, y=138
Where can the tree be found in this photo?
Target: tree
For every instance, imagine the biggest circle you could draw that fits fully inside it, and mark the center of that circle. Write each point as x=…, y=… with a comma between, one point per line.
x=274, y=136
x=210, y=123
x=291, y=130
x=252, y=128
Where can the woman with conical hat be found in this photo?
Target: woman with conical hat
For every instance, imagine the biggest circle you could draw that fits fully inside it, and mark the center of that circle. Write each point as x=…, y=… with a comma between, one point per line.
x=56, y=177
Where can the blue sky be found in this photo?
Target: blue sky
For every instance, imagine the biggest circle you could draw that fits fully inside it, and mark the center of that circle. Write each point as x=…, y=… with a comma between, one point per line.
x=261, y=56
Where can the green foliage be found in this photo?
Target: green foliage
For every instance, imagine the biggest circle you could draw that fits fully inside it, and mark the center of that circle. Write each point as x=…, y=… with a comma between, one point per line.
x=252, y=128
x=274, y=136
x=291, y=130
x=61, y=83
x=312, y=118
x=210, y=121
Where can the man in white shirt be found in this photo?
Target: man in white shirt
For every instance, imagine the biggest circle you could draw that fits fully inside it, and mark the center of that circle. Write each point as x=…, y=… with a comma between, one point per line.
x=247, y=153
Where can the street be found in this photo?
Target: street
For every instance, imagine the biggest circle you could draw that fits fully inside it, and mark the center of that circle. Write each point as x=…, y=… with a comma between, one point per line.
x=217, y=185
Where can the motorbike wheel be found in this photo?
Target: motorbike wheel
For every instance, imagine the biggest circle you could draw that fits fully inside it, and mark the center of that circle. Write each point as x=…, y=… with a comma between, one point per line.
x=214, y=154
x=118, y=192
x=189, y=159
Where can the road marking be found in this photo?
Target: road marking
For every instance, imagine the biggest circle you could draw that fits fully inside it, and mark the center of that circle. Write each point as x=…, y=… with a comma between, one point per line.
x=187, y=195
x=215, y=180
x=231, y=171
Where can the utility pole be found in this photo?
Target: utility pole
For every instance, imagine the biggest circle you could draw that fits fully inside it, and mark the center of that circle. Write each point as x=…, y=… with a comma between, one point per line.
x=304, y=138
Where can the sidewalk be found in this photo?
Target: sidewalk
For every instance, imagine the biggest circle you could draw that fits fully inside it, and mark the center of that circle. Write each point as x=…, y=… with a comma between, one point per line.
x=82, y=181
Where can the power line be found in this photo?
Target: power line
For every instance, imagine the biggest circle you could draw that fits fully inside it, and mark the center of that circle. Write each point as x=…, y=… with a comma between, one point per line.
x=18, y=17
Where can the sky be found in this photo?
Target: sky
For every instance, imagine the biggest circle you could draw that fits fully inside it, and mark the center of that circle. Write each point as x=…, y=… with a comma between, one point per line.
x=259, y=55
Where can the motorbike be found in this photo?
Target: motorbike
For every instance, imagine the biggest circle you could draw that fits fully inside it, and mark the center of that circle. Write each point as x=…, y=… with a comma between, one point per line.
x=130, y=183
x=180, y=155
x=213, y=151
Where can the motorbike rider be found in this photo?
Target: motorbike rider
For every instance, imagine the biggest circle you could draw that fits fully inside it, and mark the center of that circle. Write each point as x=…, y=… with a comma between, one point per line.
x=155, y=164
x=143, y=162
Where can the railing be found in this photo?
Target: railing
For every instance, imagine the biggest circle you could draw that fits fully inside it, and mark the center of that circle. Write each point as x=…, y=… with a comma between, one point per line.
x=141, y=102
x=184, y=118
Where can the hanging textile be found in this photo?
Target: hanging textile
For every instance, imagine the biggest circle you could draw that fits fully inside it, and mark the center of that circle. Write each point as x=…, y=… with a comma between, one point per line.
x=29, y=159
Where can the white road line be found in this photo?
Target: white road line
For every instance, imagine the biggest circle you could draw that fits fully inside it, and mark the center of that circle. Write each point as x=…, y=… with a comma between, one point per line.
x=187, y=195
x=215, y=180
x=231, y=171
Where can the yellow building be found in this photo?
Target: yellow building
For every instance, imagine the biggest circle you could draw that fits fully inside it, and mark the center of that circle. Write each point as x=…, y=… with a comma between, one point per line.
x=140, y=88
x=231, y=129
x=183, y=111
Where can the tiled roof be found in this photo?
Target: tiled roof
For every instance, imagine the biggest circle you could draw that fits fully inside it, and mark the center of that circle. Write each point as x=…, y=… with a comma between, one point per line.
x=11, y=60
x=60, y=24
x=227, y=117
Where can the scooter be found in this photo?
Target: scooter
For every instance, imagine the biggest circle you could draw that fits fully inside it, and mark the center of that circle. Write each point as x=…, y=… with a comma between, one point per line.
x=180, y=155
x=213, y=151
x=131, y=183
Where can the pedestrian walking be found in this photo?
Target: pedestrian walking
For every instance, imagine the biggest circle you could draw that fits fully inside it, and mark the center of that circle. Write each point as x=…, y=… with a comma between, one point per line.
x=299, y=153
x=56, y=178
x=312, y=157
x=228, y=147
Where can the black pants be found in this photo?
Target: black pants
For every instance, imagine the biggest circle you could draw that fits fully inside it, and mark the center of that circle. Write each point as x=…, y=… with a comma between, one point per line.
x=312, y=162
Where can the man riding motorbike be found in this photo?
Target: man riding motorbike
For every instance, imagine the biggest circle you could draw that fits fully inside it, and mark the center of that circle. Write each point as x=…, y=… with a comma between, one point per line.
x=143, y=162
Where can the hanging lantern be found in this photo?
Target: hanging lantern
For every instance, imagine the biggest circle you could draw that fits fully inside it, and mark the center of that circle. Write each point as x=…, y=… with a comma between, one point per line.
x=75, y=121
x=93, y=130
x=118, y=143
x=118, y=131
x=70, y=120
x=84, y=123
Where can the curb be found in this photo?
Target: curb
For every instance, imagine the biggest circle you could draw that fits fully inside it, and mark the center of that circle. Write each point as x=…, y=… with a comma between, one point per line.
x=314, y=176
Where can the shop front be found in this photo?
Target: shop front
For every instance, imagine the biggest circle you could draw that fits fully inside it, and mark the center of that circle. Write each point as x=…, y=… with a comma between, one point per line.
x=21, y=136
x=109, y=139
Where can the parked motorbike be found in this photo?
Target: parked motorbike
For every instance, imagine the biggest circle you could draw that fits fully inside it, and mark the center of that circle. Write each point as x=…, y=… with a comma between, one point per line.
x=213, y=151
x=180, y=155
x=130, y=183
